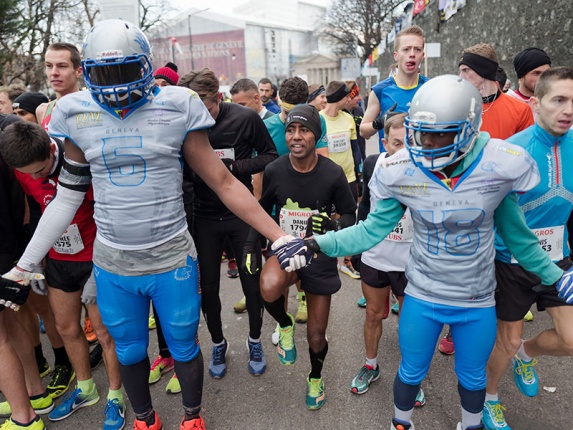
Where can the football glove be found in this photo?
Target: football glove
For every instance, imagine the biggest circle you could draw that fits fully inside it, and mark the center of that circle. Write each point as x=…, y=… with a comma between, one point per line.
x=293, y=254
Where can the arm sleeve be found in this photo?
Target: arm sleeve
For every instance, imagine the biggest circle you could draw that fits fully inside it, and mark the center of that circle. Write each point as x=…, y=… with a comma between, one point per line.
x=522, y=243
x=365, y=234
x=55, y=220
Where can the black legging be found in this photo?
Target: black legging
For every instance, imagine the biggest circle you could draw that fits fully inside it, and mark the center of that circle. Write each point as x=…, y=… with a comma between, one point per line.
x=209, y=236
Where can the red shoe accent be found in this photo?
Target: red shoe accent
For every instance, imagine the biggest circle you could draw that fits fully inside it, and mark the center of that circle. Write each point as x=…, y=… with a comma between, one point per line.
x=446, y=346
x=142, y=425
x=196, y=424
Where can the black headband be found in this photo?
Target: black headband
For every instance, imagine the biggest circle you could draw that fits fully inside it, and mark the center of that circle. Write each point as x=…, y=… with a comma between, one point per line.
x=338, y=95
x=483, y=66
x=320, y=90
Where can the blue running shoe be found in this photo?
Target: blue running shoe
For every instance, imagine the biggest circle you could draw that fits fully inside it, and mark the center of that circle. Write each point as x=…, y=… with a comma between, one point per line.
x=257, y=361
x=72, y=402
x=493, y=418
x=365, y=377
x=217, y=365
x=114, y=415
x=361, y=302
x=525, y=376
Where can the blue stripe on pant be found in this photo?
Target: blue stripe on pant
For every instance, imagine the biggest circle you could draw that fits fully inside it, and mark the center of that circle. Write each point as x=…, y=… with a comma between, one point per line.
x=124, y=301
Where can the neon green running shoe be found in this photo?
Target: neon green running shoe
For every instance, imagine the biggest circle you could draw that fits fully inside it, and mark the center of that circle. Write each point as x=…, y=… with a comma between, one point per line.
x=315, y=396
x=286, y=348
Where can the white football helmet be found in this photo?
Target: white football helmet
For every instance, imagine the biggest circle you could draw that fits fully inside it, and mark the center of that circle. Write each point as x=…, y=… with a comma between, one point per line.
x=117, y=65
x=445, y=103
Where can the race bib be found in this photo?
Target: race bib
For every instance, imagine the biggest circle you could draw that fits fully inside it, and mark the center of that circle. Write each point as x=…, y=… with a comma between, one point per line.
x=294, y=221
x=404, y=230
x=339, y=142
x=551, y=240
x=225, y=153
x=70, y=242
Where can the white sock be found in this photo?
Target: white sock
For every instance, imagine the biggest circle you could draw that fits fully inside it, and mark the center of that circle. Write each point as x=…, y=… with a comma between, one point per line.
x=254, y=340
x=491, y=397
x=521, y=353
x=220, y=343
x=404, y=416
x=469, y=419
x=372, y=362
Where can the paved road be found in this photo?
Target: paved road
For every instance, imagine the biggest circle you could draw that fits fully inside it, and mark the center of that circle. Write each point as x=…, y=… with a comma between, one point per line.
x=276, y=399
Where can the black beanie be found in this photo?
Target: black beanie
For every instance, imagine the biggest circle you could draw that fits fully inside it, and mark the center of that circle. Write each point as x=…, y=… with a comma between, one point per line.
x=29, y=101
x=528, y=60
x=308, y=116
x=483, y=66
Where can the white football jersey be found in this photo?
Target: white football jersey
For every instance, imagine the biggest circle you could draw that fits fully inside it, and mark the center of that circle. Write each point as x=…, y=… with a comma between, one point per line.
x=136, y=162
x=452, y=257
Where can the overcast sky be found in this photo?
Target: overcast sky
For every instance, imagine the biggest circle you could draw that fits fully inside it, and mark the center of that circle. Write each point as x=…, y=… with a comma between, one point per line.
x=223, y=5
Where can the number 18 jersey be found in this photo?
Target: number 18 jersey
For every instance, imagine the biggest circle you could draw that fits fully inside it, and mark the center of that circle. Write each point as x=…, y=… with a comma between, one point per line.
x=452, y=254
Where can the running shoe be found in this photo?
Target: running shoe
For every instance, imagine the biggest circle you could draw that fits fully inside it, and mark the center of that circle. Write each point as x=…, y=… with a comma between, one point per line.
x=361, y=302
x=446, y=345
x=42, y=327
x=42, y=405
x=195, y=424
x=37, y=424
x=401, y=425
x=286, y=348
x=365, y=377
x=493, y=418
x=44, y=368
x=142, y=425
x=257, y=361
x=159, y=367
x=420, y=399
x=301, y=313
x=528, y=316
x=240, y=306
x=114, y=413
x=62, y=378
x=276, y=335
x=395, y=309
x=217, y=365
x=151, y=324
x=478, y=427
x=173, y=386
x=315, y=395
x=73, y=402
x=96, y=356
x=525, y=376
x=347, y=269
x=89, y=331
x=233, y=270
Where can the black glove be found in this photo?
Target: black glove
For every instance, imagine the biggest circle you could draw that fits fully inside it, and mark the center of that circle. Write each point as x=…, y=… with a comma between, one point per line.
x=231, y=165
x=13, y=294
x=312, y=245
x=320, y=224
x=378, y=123
x=252, y=260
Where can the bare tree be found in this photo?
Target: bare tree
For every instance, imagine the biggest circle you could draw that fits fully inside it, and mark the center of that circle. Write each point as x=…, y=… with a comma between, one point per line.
x=359, y=24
